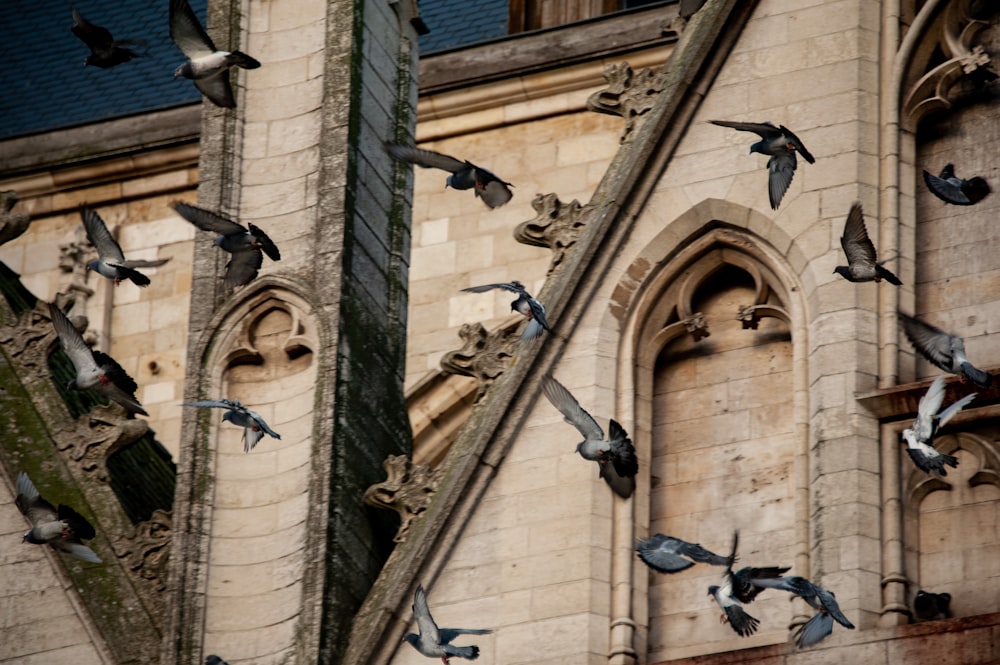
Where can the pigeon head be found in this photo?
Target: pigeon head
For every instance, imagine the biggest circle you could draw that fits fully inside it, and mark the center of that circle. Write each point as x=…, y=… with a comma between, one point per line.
x=184, y=70
x=92, y=265
x=412, y=638
x=229, y=415
x=712, y=589
x=29, y=537
x=843, y=271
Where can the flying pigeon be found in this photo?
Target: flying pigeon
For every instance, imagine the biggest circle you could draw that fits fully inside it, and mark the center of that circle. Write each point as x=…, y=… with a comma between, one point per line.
x=778, y=143
x=105, y=51
x=862, y=264
x=62, y=529
x=214, y=660
x=464, y=175
x=207, y=66
x=942, y=350
x=666, y=554
x=530, y=308
x=245, y=246
x=95, y=370
x=920, y=436
x=615, y=454
x=931, y=606
x=111, y=261
x=819, y=599
x=725, y=597
x=951, y=189
x=254, y=426
x=435, y=642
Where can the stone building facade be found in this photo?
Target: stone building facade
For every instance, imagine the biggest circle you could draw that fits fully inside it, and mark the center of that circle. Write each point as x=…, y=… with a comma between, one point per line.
x=762, y=391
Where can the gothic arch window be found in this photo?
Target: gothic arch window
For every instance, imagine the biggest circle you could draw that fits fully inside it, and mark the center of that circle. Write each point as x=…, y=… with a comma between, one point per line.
x=718, y=364
x=953, y=524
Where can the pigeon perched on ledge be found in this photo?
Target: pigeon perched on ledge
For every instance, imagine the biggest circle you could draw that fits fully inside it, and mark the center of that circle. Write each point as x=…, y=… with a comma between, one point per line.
x=105, y=50
x=942, y=349
x=931, y=606
x=253, y=424
x=778, y=143
x=862, y=260
x=464, y=175
x=61, y=529
x=110, y=260
x=435, y=642
x=951, y=189
x=666, y=554
x=94, y=370
x=919, y=437
x=614, y=454
x=525, y=305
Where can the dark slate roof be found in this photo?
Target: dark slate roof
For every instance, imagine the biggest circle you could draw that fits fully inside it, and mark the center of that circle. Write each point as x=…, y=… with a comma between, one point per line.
x=47, y=87
x=455, y=23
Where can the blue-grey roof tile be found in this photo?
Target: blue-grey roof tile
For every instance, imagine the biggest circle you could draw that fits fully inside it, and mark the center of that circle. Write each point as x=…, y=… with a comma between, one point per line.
x=455, y=23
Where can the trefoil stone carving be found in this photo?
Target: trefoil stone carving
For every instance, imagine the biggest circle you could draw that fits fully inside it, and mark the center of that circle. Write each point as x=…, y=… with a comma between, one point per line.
x=556, y=226
x=629, y=94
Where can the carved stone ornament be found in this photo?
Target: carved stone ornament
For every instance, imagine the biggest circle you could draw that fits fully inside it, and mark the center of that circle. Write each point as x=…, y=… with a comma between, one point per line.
x=144, y=552
x=30, y=338
x=408, y=489
x=484, y=356
x=100, y=433
x=556, y=226
x=629, y=94
x=12, y=224
x=697, y=326
x=963, y=59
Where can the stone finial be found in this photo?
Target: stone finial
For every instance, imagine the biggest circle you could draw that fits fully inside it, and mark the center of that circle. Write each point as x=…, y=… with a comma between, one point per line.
x=629, y=94
x=484, y=356
x=556, y=226
x=11, y=224
x=408, y=489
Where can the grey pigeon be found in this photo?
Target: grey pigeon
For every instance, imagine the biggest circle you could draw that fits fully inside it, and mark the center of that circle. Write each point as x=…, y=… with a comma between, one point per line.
x=862, y=261
x=951, y=189
x=435, y=642
x=525, y=305
x=931, y=606
x=614, y=454
x=111, y=261
x=206, y=66
x=105, y=50
x=94, y=370
x=778, y=143
x=920, y=436
x=666, y=554
x=246, y=246
x=254, y=426
x=61, y=529
x=214, y=660
x=464, y=175
x=725, y=597
x=819, y=599
x=942, y=349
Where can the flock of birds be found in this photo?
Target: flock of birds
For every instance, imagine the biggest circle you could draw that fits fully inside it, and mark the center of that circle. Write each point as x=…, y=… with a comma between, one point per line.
x=64, y=529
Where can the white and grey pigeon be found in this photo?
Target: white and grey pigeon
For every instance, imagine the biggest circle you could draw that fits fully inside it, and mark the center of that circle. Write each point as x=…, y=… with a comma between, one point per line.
x=464, y=175
x=614, y=453
x=110, y=260
x=958, y=191
x=778, y=143
x=919, y=437
x=105, y=50
x=95, y=370
x=254, y=426
x=61, y=529
x=435, y=642
x=942, y=349
x=525, y=305
x=862, y=260
x=666, y=554
x=246, y=246
x=825, y=602
x=206, y=66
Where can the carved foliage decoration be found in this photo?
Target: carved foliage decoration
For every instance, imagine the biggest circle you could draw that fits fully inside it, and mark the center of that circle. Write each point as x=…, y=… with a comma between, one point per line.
x=484, y=356
x=556, y=226
x=12, y=224
x=408, y=489
x=144, y=553
x=629, y=94
x=100, y=434
x=960, y=25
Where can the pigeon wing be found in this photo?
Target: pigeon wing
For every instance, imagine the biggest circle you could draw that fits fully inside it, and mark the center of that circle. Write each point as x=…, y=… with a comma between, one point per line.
x=698, y=553
x=813, y=631
x=928, y=409
x=930, y=341
x=77, y=523
x=144, y=263
x=122, y=387
x=422, y=615
x=948, y=192
x=950, y=412
x=799, y=146
x=31, y=504
x=186, y=31
x=99, y=236
x=243, y=267
x=829, y=602
x=572, y=412
x=207, y=220
x=448, y=634
x=72, y=341
x=217, y=89
x=495, y=193
x=975, y=189
x=765, y=130
x=211, y=404
x=857, y=245
x=513, y=287
x=94, y=36
x=427, y=159
x=663, y=553
x=623, y=486
x=257, y=418
x=744, y=624
x=266, y=244
x=77, y=549
x=780, y=171
x=622, y=452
